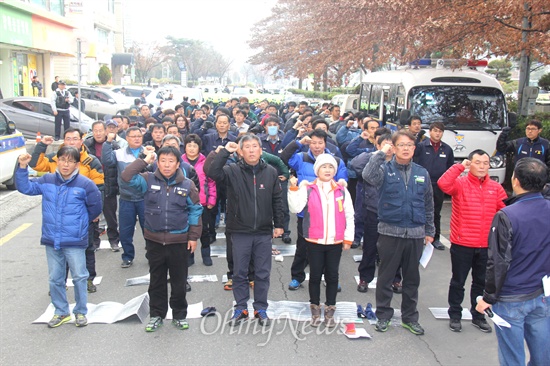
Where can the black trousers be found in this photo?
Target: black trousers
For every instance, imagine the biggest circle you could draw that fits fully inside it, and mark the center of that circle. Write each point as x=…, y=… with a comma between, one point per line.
x=462, y=260
x=208, y=226
x=439, y=197
x=62, y=116
x=110, y=205
x=164, y=259
x=395, y=252
x=323, y=259
x=367, y=267
x=230, y=262
x=297, y=270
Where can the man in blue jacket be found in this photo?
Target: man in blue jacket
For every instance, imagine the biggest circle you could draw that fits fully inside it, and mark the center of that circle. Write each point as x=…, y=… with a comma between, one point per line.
x=70, y=202
x=519, y=259
x=172, y=226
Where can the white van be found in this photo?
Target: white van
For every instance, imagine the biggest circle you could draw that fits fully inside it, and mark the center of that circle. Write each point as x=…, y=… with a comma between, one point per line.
x=346, y=102
x=470, y=103
x=12, y=144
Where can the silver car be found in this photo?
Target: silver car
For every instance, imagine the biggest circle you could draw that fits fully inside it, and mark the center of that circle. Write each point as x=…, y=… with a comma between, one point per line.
x=34, y=114
x=101, y=102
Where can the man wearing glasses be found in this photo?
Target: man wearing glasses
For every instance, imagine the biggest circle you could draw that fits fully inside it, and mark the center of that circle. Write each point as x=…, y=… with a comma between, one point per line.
x=70, y=202
x=406, y=224
x=131, y=199
x=531, y=145
x=90, y=167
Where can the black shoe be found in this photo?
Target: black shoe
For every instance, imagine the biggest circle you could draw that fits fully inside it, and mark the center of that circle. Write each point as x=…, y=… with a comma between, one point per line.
x=207, y=261
x=382, y=325
x=437, y=245
x=413, y=327
x=455, y=325
x=187, y=287
x=363, y=286
x=286, y=238
x=397, y=287
x=482, y=325
x=126, y=264
x=355, y=244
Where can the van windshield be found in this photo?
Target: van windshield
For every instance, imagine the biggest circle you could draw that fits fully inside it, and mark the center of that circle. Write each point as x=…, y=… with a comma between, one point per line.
x=459, y=107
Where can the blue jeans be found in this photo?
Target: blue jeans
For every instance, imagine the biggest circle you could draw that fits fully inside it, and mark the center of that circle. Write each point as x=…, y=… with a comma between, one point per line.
x=57, y=262
x=530, y=320
x=127, y=213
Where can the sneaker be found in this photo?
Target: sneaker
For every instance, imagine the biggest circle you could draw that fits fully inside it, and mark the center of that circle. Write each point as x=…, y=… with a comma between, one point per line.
x=363, y=286
x=91, y=287
x=228, y=286
x=455, y=325
x=80, y=320
x=126, y=264
x=355, y=244
x=239, y=316
x=154, y=324
x=187, y=287
x=251, y=283
x=262, y=317
x=180, y=323
x=413, y=327
x=438, y=245
x=482, y=325
x=382, y=325
x=57, y=320
x=286, y=238
x=339, y=289
x=397, y=287
x=294, y=285
x=115, y=248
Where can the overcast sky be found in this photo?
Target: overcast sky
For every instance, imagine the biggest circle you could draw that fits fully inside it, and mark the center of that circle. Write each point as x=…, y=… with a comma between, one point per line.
x=225, y=24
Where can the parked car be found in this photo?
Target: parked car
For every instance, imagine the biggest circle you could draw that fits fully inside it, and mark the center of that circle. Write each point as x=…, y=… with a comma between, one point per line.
x=34, y=114
x=101, y=102
x=12, y=144
x=178, y=94
x=152, y=96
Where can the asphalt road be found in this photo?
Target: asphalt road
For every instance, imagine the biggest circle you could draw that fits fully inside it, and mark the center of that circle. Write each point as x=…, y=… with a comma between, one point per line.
x=24, y=297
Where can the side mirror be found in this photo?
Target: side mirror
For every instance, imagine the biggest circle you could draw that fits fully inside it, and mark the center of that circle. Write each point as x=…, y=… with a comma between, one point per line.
x=512, y=119
x=112, y=101
x=11, y=127
x=404, y=117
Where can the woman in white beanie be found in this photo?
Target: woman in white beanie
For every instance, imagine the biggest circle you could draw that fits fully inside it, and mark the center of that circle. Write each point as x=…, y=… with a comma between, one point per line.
x=328, y=227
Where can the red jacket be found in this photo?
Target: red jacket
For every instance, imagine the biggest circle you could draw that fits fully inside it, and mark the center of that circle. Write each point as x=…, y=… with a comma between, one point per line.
x=475, y=203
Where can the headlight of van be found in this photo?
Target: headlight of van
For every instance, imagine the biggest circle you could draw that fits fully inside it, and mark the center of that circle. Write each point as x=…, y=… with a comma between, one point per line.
x=496, y=161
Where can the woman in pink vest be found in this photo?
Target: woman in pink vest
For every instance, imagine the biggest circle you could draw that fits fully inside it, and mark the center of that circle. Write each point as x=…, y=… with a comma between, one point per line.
x=328, y=227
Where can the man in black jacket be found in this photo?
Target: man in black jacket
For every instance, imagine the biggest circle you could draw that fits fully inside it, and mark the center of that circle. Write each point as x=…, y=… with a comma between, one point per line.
x=518, y=262
x=436, y=157
x=254, y=207
x=110, y=192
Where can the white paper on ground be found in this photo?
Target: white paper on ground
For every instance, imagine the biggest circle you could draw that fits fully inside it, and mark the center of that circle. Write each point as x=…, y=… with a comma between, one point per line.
x=426, y=255
x=372, y=284
x=358, y=257
x=442, y=313
x=109, y=312
x=546, y=285
x=359, y=333
x=96, y=281
x=346, y=311
x=202, y=278
x=143, y=280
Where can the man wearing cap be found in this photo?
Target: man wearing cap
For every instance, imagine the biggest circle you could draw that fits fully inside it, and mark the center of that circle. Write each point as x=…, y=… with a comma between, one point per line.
x=61, y=102
x=112, y=127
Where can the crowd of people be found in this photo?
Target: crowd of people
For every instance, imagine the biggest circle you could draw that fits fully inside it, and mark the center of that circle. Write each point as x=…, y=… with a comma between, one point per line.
x=183, y=172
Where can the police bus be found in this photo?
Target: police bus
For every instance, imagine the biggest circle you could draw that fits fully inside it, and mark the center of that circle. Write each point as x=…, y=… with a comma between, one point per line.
x=469, y=102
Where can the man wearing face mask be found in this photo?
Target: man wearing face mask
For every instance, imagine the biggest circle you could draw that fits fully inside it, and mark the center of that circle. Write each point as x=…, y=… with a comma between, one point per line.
x=271, y=143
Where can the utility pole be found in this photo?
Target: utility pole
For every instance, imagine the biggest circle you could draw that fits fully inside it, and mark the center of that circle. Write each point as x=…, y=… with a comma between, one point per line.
x=79, y=73
x=524, y=63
